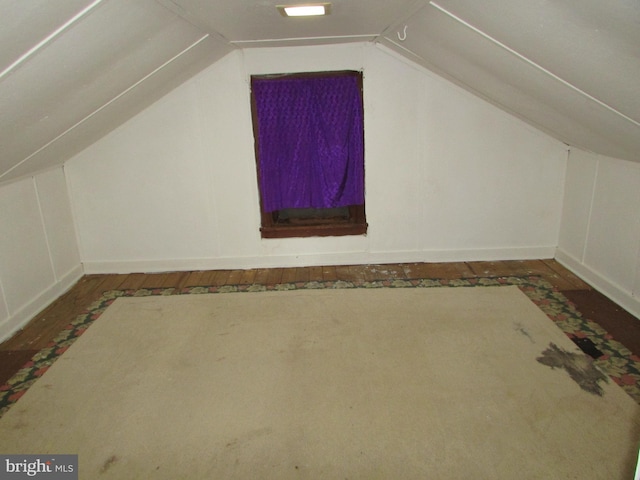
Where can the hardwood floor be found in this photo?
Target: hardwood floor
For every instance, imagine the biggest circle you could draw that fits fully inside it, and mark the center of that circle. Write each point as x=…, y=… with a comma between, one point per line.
x=44, y=327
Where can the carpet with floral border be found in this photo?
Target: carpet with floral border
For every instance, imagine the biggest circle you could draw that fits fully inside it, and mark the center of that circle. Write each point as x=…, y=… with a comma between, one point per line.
x=612, y=358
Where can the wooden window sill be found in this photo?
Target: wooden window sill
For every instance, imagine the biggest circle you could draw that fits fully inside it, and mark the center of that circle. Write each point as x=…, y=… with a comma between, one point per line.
x=327, y=230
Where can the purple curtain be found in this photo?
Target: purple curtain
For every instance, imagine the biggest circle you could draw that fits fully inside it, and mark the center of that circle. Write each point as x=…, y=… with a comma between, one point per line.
x=310, y=141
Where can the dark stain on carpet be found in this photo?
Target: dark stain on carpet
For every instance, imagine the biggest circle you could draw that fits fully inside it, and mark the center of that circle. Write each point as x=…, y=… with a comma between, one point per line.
x=579, y=367
x=108, y=463
x=520, y=329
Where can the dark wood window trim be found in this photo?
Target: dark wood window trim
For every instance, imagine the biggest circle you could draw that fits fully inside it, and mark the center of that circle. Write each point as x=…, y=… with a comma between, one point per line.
x=355, y=224
x=352, y=224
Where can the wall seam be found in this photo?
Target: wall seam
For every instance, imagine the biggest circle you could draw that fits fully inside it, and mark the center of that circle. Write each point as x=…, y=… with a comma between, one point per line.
x=4, y=299
x=635, y=287
x=590, y=216
x=74, y=214
x=44, y=230
x=563, y=199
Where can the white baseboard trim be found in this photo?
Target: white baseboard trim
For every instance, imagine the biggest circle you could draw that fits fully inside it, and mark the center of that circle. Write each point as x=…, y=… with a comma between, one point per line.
x=601, y=283
x=308, y=260
x=20, y=318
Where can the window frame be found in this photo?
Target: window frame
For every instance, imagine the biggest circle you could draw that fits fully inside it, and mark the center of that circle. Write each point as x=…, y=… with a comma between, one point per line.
x=354, y=224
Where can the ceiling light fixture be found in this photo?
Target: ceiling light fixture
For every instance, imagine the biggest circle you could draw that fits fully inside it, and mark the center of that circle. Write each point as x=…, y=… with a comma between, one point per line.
x=304, y=10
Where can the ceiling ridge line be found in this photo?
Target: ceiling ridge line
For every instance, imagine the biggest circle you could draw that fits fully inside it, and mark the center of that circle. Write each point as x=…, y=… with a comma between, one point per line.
x=410, y=52
x=33, y=50
x=99, y=109
x=188, y=17
x=294, y=39
x=532, y=63
x=400, y=20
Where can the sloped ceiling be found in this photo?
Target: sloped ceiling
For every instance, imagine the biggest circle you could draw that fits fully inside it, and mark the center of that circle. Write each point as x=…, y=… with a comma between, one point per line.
x=73, y=70
x=569, y=67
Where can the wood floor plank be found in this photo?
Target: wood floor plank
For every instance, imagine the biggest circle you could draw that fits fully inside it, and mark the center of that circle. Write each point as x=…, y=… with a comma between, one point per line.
x=133, y=281
x=315, y=274
x=303, y=274
x=499, y=269
x=219, y=277
x=358, y=273
x=439, y=270
x=558, y=281
x=111, y=282
x=329, y=273
x=377, y=272
x=12, y=361
x=194, y=279
x=234, y=277
x=343, y=273
x=274, y=276
x=619, y=323
x=182, y=280
x=415, y=270
x=89, y=284
x=534, y=267
x=566, y=279
x=248, y=277
x=173, y=279
x=153, y=280
x=206, y=277
x=288, y=275
x=262, y=276
x=38, y=333
x=50, y=321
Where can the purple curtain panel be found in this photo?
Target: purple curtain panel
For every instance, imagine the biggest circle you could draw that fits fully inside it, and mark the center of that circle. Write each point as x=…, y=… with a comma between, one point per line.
x=310, y=141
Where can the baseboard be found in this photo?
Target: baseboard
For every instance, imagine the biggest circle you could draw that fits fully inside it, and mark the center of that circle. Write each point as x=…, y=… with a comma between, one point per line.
x=605, y=286
x=19, y=319
x=308, y=260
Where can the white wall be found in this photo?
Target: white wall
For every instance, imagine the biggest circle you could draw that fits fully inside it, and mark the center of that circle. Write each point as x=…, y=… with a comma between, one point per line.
x=39, y=257
x=600, y=235
x=448, y=176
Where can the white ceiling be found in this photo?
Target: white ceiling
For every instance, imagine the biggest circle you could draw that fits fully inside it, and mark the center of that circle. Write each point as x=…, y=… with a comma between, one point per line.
x=72, y=70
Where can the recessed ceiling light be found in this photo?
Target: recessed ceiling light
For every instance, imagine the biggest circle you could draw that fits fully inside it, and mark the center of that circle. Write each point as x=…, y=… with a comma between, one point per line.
x=304, y=10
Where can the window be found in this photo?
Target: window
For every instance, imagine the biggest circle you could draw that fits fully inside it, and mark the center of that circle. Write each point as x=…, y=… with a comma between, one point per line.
x=309, y=141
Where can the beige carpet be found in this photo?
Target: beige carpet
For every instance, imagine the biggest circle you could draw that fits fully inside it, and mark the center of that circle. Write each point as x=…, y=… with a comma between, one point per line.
x=440, y=383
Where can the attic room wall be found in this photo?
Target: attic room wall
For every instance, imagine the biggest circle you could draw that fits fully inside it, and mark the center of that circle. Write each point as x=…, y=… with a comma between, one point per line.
x=39, y=257
x=448, y=176
x=600, y=234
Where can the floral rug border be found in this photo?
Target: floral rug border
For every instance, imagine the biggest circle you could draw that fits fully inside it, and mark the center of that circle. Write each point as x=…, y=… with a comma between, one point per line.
x=617, y=361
